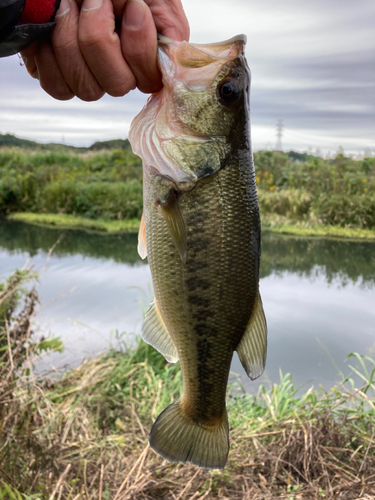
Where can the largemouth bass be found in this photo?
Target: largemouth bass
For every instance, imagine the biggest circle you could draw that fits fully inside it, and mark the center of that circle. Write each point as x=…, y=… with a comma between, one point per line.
x=201, y=233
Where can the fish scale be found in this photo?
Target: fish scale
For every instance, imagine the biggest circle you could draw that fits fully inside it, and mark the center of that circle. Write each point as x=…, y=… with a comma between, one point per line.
x=201, y=234
x=195, y=318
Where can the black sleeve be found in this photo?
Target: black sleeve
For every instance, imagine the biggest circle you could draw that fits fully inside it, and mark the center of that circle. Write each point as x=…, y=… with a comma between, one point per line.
x=14, y=36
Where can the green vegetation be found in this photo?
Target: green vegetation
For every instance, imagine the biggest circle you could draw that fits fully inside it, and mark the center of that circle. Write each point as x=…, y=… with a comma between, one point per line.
x=103, y=185
x=85, y=434
x=283, y=225
x=331, y=192
x=9, y=140
x=298, y=193
x=65, y=221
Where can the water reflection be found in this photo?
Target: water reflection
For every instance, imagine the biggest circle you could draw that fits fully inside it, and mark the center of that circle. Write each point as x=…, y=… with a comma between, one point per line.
x=337, y=261
x=19, y=237
x=318, y=295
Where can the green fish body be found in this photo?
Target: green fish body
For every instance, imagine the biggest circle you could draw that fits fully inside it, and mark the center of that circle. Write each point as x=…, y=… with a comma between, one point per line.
x=201, y=233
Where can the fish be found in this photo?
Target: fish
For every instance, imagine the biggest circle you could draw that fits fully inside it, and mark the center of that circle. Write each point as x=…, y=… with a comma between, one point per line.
x=201, y=233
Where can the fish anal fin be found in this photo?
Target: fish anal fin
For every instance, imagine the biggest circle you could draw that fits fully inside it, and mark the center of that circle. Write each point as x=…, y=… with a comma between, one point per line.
x=171, y=212
x=252, y=348
x=155, y=333
x=142, y=249
x=178, y=438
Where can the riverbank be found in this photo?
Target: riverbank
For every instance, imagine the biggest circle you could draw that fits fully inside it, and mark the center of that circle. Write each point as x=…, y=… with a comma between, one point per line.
x=67, y=221
x=84, y=434
x=87, y=434
x=272, y=223
x=282, y=225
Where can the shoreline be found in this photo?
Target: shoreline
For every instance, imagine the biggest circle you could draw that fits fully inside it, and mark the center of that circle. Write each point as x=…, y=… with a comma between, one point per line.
x=67, y=221
x=278, y=225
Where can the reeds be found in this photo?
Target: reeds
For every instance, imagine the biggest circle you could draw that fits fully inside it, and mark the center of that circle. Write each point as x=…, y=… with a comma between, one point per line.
x=84, y=435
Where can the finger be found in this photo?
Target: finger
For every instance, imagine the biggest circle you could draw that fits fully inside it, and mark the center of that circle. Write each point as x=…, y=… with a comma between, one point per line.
x=50, y=77
x=28, y=57
x=72, y=64
x=101, y=47
x=170, y=18
x=139, y=45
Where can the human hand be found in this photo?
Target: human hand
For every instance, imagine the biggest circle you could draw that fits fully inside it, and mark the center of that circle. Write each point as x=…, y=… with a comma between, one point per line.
x=104, y=46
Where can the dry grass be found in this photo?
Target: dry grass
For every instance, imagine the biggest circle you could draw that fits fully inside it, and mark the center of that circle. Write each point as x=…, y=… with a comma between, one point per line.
x=85, y=435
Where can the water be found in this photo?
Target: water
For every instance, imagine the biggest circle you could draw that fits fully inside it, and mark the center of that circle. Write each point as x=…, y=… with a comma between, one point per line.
x=318, y=295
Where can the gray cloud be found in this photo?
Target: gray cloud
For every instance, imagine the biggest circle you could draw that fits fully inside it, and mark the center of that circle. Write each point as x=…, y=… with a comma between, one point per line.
x=312, y=65
x=332, y=95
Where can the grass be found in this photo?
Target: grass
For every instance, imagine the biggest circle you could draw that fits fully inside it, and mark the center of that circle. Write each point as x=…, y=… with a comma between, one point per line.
x=270, y=222
x=84, y=434
x=65, y=221
x=282, y=225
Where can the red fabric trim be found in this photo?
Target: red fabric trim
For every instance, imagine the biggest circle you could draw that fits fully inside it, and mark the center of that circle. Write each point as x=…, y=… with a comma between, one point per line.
x=37, y=11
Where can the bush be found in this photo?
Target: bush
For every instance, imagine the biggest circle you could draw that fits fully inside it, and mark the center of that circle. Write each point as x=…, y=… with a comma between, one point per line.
x=277, y=171
x=122, y=200
x=346, y=210
x=105, y=185
x=292, y=203
x=109, y=185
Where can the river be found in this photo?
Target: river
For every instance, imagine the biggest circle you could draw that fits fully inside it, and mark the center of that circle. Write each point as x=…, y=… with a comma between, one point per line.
x=318, y=296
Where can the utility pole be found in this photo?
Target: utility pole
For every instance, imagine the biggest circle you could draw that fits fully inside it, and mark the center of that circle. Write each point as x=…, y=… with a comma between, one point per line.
x=279, y=134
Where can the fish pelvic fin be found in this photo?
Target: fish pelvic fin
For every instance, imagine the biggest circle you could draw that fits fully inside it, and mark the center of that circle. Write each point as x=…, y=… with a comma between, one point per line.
x=155, y=333
x=252, y=349
x=178, y=438
x=142, y=249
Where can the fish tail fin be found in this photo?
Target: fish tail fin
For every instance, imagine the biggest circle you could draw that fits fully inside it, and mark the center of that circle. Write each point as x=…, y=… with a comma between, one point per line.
x=177, y=438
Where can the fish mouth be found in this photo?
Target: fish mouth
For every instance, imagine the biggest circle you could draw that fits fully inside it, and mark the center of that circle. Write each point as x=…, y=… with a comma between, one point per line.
x=192, y=63
x=196, y=55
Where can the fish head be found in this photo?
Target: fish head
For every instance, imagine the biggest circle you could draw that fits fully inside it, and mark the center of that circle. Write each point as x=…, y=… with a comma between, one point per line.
x=188, y=130
x=207, y=86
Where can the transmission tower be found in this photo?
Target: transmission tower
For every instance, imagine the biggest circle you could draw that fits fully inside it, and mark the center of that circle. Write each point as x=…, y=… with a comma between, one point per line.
x=279, y=134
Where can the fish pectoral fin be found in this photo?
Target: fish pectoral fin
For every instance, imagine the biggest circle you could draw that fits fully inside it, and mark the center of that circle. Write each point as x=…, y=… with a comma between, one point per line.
x=252, y=348
x=142, y=249
x=155, y=333
x=171, y=212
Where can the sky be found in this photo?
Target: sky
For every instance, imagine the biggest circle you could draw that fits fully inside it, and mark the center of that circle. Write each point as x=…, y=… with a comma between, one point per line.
x=312, y=65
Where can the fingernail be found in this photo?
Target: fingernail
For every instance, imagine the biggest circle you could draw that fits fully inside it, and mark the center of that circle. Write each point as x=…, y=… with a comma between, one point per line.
x=63, y=9
x=135, y=14
x=91, y=4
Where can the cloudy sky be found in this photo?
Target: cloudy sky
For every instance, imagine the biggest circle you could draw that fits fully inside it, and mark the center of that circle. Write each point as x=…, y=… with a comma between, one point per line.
x=312, y=63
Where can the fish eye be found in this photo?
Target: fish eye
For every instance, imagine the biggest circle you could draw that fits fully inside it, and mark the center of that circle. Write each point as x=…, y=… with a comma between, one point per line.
x=229, y=91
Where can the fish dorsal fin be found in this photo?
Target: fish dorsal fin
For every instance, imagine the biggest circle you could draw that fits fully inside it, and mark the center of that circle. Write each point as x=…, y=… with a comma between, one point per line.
x=142, y=249
x=171, y=212
x=252, y=348
x=155, y=333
